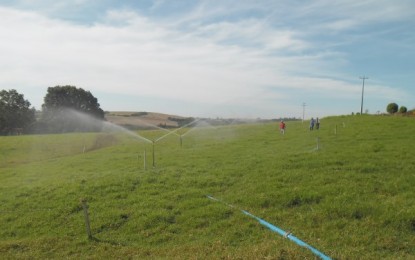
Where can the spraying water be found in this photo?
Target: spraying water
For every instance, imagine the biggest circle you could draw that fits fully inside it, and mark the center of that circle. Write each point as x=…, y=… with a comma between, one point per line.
x=176, y=130
x=105, y=126
x=199, y=125
x=155, y=126
x=112, y=128
x=89, y=122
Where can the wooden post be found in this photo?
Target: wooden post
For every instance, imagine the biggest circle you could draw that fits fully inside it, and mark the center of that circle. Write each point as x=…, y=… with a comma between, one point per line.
x=87, y=225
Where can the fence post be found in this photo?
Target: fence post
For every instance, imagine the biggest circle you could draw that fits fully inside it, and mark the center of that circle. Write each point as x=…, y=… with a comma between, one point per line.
x=87, y=225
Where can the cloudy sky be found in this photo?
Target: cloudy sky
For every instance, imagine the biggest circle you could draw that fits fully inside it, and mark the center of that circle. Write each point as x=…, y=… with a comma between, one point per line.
x=215, y=58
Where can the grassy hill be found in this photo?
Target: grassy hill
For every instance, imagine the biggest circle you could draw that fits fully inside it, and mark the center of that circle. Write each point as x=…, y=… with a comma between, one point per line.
x=347, y=190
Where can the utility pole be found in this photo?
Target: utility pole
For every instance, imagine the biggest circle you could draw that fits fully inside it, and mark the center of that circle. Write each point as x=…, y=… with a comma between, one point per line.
x=363, y=89
x=303, y=111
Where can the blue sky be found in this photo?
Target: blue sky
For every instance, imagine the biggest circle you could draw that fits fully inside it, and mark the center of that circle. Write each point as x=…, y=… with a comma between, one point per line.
x=214, y=58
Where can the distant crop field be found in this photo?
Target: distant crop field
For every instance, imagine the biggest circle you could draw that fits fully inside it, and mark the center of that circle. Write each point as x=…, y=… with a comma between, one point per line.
x=346, y=189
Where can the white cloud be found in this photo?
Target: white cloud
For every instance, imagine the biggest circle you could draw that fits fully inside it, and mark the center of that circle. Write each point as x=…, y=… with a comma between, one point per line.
x=247, y=61
x=141, y=52
x=346, y=15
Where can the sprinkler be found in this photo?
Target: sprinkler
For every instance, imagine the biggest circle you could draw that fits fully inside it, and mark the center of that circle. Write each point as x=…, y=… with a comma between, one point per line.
x=154, y=164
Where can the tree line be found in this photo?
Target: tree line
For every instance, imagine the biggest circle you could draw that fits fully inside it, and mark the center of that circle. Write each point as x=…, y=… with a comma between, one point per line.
x=393, y=108
x=59, y=113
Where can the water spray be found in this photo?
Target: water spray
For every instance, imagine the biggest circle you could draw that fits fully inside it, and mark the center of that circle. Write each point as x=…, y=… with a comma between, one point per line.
x=202, y=123
x=189, y=131
x=278, y=230
x=176, y=130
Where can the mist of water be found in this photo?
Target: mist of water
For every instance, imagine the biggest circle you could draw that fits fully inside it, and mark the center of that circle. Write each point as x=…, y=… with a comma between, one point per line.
x=105, y=126
x=177, y=130
x=200, y=125
x=108, y=127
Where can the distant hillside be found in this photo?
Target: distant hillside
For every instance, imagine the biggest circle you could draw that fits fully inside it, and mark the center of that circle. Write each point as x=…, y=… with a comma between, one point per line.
x=145, y=120
x=152, y=120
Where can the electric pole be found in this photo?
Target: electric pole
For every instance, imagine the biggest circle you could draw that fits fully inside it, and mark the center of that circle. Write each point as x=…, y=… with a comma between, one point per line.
x=363, y=89
x=303, y=111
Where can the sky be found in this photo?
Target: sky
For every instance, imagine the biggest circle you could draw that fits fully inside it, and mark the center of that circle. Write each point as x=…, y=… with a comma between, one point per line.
x=214, y=58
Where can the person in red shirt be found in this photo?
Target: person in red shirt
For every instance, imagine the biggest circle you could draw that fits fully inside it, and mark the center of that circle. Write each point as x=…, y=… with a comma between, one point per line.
x=282, y=127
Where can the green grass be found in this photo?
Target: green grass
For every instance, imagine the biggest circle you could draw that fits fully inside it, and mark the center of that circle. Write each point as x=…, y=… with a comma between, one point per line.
x=353, y=198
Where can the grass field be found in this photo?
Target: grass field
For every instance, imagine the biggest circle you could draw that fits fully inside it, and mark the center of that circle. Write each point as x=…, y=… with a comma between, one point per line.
x=346, y=189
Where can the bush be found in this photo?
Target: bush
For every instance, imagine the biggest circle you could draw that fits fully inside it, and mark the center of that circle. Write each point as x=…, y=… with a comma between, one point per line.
x=403, y=109
x=392, y=108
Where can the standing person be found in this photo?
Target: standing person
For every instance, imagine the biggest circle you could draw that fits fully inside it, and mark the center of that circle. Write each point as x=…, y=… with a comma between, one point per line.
x=317, y=123
x=282, y=127
x=312, y=124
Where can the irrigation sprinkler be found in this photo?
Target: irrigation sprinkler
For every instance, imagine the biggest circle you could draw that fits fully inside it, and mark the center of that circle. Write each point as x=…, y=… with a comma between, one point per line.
x=154, y=141
x=154, y=163
x=278, y=230
x=175, y=133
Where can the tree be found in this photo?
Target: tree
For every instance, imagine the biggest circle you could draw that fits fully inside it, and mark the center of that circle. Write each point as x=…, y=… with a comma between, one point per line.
x=392, y=108
x=16, y=116
x=70, y=109
x=403, y=110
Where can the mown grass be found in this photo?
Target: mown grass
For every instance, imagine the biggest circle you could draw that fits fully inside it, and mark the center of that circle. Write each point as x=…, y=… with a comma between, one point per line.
x=352, y=198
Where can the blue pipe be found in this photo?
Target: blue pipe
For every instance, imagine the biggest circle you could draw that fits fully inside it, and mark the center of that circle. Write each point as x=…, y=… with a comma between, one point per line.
x=280, y=231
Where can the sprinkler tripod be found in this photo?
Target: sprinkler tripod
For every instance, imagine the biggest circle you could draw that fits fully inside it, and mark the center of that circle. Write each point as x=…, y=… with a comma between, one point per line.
x=154, y=164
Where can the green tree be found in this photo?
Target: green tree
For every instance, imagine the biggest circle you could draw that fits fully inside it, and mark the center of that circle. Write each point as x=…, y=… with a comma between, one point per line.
x=16, y=116
x=392, y=108
x=403, y=109
x=70, y=109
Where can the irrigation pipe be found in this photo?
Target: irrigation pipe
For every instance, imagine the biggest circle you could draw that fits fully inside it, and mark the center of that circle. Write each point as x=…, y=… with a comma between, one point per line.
x=278, y=230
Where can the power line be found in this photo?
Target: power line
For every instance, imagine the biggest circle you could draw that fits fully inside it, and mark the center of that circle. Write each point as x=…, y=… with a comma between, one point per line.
x=363, y=89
